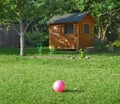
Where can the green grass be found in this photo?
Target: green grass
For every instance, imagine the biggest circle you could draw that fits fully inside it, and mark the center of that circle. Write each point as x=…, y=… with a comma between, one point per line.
x=25, y=80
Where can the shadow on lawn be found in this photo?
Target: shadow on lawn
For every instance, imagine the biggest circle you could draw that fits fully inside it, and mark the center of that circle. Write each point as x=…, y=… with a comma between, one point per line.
x=9, y=51
x=73, y=91
x=16, y=51
x=116, y=52
x=33, y=51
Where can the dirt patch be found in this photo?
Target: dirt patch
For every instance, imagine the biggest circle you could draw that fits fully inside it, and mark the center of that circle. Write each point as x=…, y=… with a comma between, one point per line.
x=52, y=57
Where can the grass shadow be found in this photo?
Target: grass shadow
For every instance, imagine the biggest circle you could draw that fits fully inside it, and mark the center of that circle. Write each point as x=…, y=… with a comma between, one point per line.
x=9, y=51
x=73, y=91
x=116, y=52
x=16, y=51
x=34, y=51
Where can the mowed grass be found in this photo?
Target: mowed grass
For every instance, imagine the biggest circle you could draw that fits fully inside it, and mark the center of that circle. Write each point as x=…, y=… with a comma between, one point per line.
x=29, y=80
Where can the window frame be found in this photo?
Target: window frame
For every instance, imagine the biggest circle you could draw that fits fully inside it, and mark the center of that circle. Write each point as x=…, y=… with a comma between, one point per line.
x=67, y=32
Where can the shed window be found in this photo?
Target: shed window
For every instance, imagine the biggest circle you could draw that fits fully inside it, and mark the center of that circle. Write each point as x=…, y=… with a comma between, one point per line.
x=86, y=29
x=69, y=29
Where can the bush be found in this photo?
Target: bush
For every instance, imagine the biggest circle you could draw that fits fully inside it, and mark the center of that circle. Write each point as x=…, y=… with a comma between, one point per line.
x=37, y=37
x=116, y=43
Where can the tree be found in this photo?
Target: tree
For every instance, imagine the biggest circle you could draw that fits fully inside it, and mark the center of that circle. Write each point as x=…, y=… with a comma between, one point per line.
x=113, y=31
x=78, y=5
x=106, y=13
x=22, y=12
x=25, y=12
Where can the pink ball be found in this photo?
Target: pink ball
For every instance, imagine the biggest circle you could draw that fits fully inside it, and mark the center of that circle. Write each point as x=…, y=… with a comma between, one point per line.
x=59, y=86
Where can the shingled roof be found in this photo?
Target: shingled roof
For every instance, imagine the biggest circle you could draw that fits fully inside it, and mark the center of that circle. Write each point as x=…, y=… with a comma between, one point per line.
x=71, y=17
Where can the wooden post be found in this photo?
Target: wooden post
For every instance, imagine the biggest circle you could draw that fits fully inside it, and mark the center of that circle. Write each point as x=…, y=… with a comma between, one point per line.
x=78, y=36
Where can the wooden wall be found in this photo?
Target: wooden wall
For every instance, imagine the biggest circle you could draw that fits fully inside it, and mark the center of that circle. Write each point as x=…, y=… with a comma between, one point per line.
x=76, y=40
x=61, y=40
x=86, y=40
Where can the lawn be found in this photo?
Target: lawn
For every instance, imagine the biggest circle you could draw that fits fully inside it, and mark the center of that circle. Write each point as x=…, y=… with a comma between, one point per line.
x=29, y=79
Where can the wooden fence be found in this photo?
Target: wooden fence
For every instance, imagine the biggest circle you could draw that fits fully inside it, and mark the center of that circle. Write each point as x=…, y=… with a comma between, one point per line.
x=9, y=38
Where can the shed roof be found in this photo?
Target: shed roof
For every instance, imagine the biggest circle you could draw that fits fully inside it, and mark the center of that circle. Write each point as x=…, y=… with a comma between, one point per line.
x=71, y=17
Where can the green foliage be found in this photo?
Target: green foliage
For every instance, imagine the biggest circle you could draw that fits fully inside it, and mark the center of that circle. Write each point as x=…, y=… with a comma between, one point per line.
x=29, y=10
x=82, y=53
x=22, y=12
x=107, y=17
x=116, y=43
x=37, y=37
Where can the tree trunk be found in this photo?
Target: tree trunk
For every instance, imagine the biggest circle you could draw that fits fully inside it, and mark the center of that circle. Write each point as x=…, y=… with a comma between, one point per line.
x=102, y=37
x=99, y=33
x=21, y=44
x=102, y=34
x=21, y=37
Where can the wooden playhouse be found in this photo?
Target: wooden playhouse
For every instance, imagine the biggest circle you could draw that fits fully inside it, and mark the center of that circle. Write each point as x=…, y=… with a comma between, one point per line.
x=71, y=31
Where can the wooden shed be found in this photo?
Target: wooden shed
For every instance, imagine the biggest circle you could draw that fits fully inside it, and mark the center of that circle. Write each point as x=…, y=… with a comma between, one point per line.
x=71, y=31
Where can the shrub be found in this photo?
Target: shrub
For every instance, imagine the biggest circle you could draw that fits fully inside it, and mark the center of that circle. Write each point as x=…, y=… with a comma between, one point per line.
x=37, y=37
x=116, y=43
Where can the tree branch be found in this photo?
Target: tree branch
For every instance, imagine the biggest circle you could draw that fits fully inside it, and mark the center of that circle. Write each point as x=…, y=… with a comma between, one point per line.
x=116, y=10
x=13, y=26
x=28, y=24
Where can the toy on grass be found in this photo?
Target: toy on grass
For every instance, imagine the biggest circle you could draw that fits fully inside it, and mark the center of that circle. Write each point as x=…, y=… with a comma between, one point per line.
x=39, y=48
x=59, y=86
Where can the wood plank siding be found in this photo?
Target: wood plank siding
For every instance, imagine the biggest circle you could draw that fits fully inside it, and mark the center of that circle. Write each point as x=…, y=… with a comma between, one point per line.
x=86, y=40
x=61, y=40
x=78, y=39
